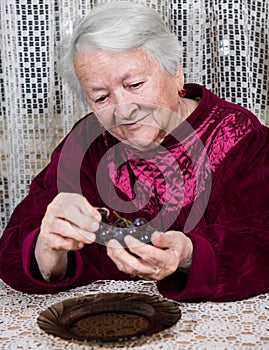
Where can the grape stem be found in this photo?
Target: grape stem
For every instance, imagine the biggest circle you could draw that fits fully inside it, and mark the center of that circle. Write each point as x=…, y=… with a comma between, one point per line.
x=120, y=218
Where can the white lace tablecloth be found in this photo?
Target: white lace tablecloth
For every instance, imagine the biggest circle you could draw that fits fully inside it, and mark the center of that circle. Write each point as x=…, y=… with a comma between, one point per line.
x=232, y=325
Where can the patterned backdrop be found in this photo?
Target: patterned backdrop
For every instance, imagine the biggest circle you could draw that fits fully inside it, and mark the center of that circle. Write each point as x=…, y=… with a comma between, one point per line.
x=225, y=46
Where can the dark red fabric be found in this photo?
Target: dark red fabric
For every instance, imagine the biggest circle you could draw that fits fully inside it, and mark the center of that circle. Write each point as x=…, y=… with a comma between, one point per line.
x=209, y=179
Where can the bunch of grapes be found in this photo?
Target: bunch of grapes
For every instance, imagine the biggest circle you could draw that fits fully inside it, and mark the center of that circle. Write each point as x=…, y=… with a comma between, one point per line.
x=139, y=229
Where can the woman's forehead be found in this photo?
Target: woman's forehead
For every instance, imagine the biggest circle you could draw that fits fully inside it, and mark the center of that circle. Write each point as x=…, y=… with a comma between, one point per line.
x=98, y=63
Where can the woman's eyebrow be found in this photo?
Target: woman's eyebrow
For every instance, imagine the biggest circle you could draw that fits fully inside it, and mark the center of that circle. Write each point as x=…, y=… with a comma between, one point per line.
x=126, y=76
x=97, y=89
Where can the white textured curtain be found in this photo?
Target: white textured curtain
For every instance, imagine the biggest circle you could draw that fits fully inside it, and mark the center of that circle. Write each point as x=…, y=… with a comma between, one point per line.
x=225, y=46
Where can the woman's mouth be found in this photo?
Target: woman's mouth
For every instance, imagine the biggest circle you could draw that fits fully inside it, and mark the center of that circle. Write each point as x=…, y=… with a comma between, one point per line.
x=131, y=126
x=136, y=124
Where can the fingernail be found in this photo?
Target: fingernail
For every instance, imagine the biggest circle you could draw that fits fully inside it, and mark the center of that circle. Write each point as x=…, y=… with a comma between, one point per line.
x=89, y=236
x=95, y=226
x=128, y=239
x=113, y=243
x=156, y=235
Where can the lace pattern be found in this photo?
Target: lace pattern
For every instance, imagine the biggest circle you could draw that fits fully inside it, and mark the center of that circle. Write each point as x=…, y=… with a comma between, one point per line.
x=224, y=47
x=232, y=325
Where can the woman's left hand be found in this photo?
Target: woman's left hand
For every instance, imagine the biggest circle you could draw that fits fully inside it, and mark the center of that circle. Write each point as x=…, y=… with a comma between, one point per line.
x=170, y=251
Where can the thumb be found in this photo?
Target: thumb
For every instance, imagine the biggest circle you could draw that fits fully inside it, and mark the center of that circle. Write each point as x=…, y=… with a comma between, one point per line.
x=161, y=239
x=167, y=239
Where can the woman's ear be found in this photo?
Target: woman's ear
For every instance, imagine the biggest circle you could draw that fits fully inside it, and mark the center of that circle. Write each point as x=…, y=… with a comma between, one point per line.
x=179, y=78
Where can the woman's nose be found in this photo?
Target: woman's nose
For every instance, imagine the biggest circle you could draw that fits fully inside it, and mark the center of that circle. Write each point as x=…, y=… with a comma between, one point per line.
x=125, y=111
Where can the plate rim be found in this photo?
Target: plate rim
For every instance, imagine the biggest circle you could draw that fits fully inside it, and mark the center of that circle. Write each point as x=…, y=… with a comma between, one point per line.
x=50, y=319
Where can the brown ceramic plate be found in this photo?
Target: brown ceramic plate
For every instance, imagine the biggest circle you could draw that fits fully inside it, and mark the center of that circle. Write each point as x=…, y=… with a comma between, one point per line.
x=107, y=317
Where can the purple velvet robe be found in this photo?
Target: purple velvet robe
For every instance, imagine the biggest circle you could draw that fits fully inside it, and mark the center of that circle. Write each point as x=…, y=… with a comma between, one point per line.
x=209, y=179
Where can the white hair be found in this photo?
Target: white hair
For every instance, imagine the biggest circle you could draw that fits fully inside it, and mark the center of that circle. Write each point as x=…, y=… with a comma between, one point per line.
x=120, y=26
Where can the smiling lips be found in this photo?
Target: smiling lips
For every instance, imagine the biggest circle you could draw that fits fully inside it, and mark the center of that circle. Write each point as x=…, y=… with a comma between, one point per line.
x=136, y=124
x=131, y=125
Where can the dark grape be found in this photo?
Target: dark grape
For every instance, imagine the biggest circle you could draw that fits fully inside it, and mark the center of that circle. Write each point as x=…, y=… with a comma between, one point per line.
x=140, y=222
x=104, y=233
x=103, y=213
x=132, y=230
x=119, y=234
x=145, y=236
x=121, y=224
x=139, y=229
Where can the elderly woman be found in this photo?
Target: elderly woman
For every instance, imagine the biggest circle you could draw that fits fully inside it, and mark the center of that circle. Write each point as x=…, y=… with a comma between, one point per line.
x=192, y=165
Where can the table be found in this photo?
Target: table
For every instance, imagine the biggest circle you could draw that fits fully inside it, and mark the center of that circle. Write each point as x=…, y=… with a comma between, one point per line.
x=206, y=325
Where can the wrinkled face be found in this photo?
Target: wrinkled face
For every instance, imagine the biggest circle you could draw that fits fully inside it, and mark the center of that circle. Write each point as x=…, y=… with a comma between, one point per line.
x=132, y=96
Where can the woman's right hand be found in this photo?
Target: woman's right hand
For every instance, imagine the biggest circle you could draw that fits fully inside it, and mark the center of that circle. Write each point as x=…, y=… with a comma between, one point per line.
x=69, y=223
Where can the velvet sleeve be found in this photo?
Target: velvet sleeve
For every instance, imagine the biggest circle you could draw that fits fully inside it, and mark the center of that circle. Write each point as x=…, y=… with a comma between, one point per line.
x=231, y=245
x=18, y=267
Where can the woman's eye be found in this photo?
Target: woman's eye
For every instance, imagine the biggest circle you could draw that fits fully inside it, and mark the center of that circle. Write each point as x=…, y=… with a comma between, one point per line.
x=101, y=99
x=136, y=85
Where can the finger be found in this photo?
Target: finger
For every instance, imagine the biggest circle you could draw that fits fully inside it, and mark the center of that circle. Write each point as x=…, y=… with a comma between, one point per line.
x=146, y=252
x=65, y=229
x=126, y=262
x=103, y=208
x=76, y=209
x=81, y=214
x=166, y=240
x=158, y=240
x=178, y=246
x=175, y=241
x=163, y=262
x=80, y=202
x=58, y=242
x=118, y=255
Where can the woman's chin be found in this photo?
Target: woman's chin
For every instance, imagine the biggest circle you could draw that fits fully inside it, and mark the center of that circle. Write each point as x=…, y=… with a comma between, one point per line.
x=144, y=138
x=142, y=144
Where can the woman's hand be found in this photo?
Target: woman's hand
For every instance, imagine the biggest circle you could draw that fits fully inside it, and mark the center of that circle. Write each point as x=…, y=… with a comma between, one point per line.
x=69, y=223
x=170, y=251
